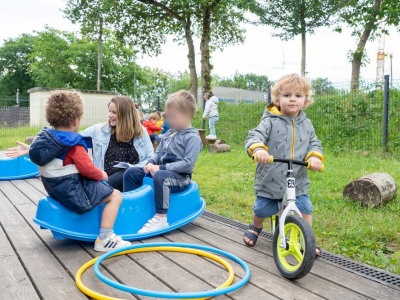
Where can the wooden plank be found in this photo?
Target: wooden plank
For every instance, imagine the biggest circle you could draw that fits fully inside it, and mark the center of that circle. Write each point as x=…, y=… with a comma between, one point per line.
x=14, y=282
x=211, y=272
x=260, y=278
x=312, y=283
x=47, y=274
x=37, y=184
x=351, y=281
x=72, y=255
x=28, y=190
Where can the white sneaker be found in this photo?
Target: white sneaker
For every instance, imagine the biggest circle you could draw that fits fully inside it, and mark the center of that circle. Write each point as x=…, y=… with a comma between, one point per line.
x=155, y=223
x=211, y=137
x=111, y=242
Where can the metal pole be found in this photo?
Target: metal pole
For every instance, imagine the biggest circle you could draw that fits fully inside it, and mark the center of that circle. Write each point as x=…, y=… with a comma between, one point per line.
x=269, y=94
x=17, y=98
x=158, y=103
x=385, y=112
x=204, y=107
x=134, y=80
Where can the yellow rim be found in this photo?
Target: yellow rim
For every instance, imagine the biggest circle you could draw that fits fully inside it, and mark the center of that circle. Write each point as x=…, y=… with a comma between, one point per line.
x=95, y=295
x=296, y=244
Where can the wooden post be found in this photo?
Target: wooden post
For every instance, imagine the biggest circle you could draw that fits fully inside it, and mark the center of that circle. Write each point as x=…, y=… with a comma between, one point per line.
x=372, y=190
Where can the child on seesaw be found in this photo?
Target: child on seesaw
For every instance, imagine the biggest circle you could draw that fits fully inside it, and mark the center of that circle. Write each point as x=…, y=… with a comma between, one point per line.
x=172, y=164
x=284, y=132
x=68, y=174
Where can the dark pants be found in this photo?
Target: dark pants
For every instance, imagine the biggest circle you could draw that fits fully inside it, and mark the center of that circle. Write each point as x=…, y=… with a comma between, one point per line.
x=165, y=183
x=116, y=180
x=154, y=138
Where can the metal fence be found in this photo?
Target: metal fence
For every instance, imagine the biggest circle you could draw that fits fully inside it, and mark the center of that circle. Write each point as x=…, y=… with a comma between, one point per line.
x=367, y=120
x=343, y=120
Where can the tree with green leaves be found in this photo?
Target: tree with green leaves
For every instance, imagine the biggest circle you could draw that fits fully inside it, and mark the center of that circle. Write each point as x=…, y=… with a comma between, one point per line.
x=93, y=19
x=322, y=86
x=293, y=18
x=248, y=81
x=368, y=19
x=14, y=65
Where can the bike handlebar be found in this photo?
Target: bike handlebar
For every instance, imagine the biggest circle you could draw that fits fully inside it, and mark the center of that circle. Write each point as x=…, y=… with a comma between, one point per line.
x=306, y=164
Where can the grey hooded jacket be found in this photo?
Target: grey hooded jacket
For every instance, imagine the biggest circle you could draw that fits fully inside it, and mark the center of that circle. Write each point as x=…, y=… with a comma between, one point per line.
x=178, y=151
x=285, y=137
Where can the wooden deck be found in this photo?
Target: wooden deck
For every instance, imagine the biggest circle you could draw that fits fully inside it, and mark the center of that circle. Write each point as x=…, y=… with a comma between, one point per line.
x=33, y=265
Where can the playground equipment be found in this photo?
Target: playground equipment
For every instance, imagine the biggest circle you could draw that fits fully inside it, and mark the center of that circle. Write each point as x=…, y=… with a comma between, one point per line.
x=176, y=247
x=293, y=243
x=17, y=168
x=136, y=209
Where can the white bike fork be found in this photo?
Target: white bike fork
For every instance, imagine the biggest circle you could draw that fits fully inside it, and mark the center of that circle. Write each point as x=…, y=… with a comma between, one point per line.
x=288, y=205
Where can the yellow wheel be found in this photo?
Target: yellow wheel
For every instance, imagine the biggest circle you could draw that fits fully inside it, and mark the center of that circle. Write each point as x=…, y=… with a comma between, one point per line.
x=297, y=258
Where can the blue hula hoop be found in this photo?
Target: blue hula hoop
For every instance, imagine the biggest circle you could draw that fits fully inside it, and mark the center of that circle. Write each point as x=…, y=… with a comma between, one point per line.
x=170, y=295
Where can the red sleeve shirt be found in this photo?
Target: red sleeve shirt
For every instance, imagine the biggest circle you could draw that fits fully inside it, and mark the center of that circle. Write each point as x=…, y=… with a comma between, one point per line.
x=78, y=156
x=151, y=127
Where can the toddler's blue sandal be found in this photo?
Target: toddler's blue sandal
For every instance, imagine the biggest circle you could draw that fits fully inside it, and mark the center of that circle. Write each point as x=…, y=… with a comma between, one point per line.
x=251, y=235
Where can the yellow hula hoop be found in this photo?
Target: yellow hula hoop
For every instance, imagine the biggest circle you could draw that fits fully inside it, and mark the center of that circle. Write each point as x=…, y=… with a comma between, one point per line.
x=95, y=295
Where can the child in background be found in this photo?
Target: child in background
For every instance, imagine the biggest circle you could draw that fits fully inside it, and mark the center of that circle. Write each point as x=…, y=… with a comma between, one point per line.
x=160, y=122
x=68, y=174
x=140, y=116
x=172, y=165
x=211, y=112
x=152, y=128
x=285, y=132
x=165, y=126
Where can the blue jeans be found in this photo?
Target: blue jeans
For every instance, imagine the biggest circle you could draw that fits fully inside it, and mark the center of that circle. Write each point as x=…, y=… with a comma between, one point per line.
x=212, y=122
x=164, y=182
x=265, y=207
x=155, y=138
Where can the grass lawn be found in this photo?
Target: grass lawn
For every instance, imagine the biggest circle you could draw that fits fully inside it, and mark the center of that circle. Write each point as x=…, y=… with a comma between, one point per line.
x=9, y=135
x=371, y=236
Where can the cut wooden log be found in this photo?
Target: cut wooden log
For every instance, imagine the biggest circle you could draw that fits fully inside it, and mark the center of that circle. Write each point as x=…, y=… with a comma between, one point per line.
x=29, y=139
x=202, y=133
x=219, y=146
x=372, y=190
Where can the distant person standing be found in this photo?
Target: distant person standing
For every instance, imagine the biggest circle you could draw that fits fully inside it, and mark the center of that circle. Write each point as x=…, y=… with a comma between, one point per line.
x=211, y=112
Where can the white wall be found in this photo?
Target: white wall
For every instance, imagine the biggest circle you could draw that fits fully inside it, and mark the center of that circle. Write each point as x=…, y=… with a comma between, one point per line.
x=94, y=104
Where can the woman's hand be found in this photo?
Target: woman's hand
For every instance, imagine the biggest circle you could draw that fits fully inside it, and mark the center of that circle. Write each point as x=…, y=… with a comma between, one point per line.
x=21, y=150
x=154, y=169
x=315, y=163
x=147, y=168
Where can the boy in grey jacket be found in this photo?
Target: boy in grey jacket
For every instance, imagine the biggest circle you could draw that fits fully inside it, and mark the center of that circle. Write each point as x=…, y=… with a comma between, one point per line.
x=172, y=164
x=284, y=132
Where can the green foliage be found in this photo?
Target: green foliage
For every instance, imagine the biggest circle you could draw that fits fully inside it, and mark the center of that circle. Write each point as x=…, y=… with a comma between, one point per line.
x=295, y=17
x=248, y=81
x=14, y=65
x=322, y=86
x=341, y=226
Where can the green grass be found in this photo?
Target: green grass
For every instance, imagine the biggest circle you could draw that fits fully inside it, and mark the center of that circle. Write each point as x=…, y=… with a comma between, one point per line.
x=8, y=135
x=370, y=235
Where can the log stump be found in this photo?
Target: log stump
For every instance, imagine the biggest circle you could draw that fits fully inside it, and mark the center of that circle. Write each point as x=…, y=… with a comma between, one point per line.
x=29, y=139
x=372, y=190
x=219, y=146
x=202, y=133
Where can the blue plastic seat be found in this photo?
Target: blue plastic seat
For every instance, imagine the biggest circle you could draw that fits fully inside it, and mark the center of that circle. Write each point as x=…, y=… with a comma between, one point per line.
x=17, y=168
x=136, y=209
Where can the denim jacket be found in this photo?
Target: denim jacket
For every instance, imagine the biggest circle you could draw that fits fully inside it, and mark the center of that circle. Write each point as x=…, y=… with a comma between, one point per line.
x=101, y=133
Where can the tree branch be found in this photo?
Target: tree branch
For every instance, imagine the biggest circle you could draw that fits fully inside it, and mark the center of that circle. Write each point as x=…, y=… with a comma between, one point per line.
x=165, y=8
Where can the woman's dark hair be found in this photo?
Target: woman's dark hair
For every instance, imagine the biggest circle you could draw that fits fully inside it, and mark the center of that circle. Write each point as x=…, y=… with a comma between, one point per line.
x=208, y=95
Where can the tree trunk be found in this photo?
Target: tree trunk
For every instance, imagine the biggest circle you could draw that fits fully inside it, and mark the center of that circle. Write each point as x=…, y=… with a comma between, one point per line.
x=219, y=146
x=192, y=60
x=99, y=55
x=372, y=190
x=205, y=50
x=303, y=53
x=358, y=54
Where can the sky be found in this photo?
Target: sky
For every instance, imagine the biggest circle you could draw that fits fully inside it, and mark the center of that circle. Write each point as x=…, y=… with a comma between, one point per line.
x=260, y=53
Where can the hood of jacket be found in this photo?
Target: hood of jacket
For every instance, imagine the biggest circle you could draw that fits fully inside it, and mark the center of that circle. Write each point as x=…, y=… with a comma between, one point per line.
x=50, y=144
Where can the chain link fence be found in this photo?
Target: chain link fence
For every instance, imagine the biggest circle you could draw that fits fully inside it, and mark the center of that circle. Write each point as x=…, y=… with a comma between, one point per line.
x=344, y=120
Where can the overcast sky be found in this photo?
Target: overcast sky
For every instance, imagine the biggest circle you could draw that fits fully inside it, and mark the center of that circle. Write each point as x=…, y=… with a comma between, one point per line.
x=260, y=53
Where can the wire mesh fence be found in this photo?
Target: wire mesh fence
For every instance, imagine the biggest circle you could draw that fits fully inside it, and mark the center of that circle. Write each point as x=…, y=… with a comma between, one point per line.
x=343, y=120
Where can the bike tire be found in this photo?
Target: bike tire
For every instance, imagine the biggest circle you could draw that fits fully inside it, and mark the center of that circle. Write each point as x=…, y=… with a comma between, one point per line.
x=308, y=253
